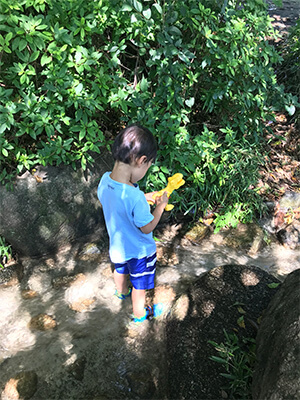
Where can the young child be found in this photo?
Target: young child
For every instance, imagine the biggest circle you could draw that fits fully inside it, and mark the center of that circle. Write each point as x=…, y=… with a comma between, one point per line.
x=128, y=219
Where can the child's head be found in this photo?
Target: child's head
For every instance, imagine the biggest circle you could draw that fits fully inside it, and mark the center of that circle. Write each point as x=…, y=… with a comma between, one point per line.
x=134, y=142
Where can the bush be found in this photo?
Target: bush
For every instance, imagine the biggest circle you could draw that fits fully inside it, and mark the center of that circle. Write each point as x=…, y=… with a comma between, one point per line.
x=73, y=71
x=237, y=355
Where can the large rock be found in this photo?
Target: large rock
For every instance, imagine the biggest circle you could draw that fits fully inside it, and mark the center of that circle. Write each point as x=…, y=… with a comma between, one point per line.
x=21, y=387
x=287, y=220
x=214, y=303
x=277, y=372
x=52, y=207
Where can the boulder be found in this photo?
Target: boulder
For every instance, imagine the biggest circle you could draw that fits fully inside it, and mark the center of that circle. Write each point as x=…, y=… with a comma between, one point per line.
x=230, y=298
x=277, y=373
x=21, y=387
x=52, y=207
x=286, y=220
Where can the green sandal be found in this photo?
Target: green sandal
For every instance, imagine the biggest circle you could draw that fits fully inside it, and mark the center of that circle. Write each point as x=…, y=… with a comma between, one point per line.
x=151, y=312
x=122, y=296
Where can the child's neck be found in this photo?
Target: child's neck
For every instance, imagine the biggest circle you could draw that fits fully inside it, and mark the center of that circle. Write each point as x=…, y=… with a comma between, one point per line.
x=122, y=173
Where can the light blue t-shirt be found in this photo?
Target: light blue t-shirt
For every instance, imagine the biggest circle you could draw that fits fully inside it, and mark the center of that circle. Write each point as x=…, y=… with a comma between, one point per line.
x=125, y=210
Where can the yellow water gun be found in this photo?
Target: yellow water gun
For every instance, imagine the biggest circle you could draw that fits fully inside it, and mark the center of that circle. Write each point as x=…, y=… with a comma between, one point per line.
x=174, y=182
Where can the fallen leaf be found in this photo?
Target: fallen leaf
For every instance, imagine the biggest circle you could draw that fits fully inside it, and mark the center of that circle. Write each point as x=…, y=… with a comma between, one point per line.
x=208, y=221
x=273, y=285
x=241, y=322
x=38, y=178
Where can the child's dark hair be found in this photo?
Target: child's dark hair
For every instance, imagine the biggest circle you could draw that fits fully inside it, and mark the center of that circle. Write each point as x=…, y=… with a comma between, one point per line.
x=134, y=142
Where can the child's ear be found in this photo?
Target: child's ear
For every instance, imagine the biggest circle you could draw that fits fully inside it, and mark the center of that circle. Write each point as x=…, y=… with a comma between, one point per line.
x=142, y=160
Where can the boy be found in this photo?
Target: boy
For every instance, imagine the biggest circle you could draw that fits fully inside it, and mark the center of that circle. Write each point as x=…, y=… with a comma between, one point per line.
x=128, y=218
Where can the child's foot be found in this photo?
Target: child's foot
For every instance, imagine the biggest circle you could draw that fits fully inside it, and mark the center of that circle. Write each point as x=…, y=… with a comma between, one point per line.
x=122, y=296
x=151, y=312
x=155, y=311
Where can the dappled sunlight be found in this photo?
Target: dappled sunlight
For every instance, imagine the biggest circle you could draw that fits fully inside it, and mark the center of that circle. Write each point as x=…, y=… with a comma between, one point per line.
x=207, y=308
x=45, y=232
x=249, y=278
x=181, y=307
x=78, y=293
x=275, y=258
x=14, y=328
x=40, y=283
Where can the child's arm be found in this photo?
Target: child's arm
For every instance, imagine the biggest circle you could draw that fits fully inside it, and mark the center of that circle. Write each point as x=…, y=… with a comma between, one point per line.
x=161, y=203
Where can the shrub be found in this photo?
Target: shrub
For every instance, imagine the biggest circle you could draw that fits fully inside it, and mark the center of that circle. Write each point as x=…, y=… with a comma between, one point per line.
x=237, y=355
x=5, y=252
x=74, y=71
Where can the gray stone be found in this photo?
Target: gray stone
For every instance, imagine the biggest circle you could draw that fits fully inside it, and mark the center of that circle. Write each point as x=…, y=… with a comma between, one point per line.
x=22, y=386
x=290, y=236
x=216, y=301
x=277, y=371
x=52, y=208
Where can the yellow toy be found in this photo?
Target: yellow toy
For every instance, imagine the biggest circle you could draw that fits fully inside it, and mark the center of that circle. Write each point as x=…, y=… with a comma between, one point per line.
x=174, y=182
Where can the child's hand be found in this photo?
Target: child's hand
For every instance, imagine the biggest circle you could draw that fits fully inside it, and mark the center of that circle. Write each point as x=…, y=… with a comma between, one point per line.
x=149, y=197
x=162, y=200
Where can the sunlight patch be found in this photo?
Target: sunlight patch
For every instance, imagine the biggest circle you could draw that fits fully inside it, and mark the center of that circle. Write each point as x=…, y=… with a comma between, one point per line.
x=181, y=307
x=249, y=278
x=207, y=308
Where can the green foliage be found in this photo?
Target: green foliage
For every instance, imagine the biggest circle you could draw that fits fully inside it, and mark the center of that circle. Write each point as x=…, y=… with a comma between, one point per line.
x=5, y=252
x=73, y=71
x=237, y=356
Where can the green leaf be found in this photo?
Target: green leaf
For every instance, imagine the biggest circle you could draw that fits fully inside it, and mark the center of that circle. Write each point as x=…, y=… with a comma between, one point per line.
x=144, y=84
x=126, y=7
x=138, y=6
x=39, y=43
x=290, y=109
x=190, y=102
x=218, y=359
x=34, y=56
x=82, y=134
x=229, y=376
x=147, y=13
x=2, y=128
x=83, y=163
x=241, y=322
x=273, y=285
x=158, y=8
x=23, y=79
x=162, y=177
x=183, y=58
x=45, y=59
x=78, y=88
x=164, y=169
x=15, y=43
x=22, y=44
x=8, y=37
x=175, y=31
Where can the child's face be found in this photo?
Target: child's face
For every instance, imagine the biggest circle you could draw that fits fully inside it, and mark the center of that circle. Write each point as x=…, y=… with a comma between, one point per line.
x=140, y=169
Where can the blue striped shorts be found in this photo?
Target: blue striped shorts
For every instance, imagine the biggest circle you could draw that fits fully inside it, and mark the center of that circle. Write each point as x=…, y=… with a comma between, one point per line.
x=141, y=271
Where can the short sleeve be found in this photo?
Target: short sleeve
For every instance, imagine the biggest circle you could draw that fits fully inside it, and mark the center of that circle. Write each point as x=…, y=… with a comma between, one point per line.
x=141, y=211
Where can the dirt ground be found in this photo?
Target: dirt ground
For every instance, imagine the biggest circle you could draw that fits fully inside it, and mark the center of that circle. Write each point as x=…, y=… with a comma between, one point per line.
x=284, y=16
x=281, y=173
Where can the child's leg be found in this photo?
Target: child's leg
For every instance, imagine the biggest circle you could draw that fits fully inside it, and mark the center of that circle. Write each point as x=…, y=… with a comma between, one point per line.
x=138, y=297
x=121, y=282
